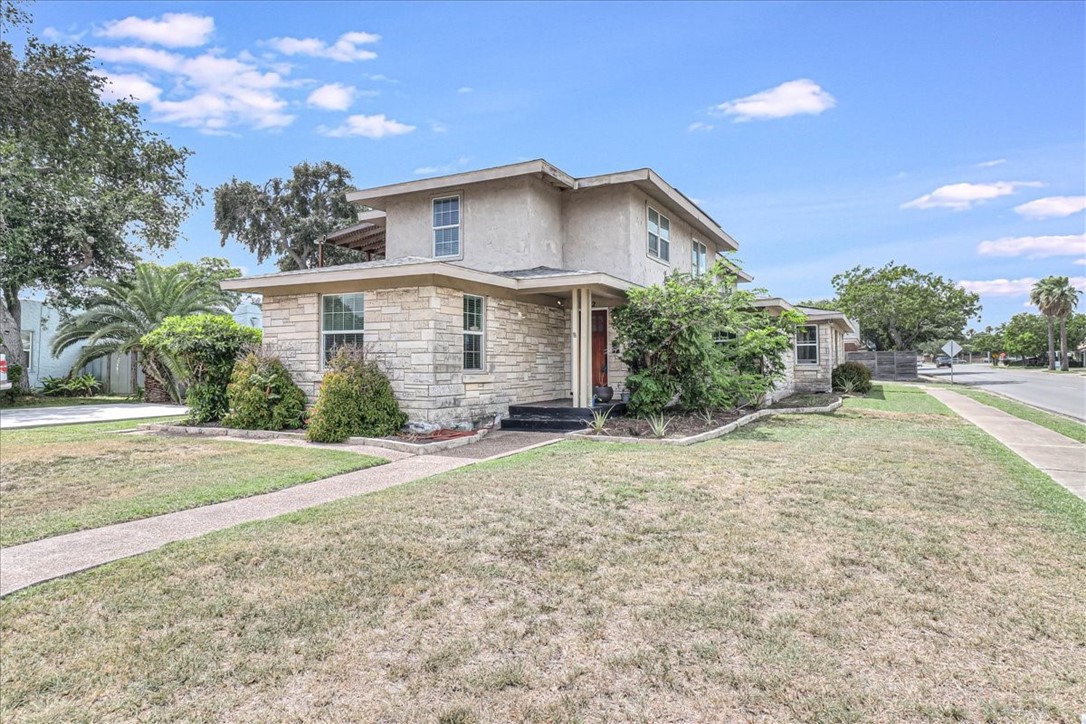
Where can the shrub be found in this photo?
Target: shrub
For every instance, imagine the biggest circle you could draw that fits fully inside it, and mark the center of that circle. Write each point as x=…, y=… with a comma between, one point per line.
x=78, y=386
x=262, y=396
x=355, y=399
x=851, y=377
x=205, y=347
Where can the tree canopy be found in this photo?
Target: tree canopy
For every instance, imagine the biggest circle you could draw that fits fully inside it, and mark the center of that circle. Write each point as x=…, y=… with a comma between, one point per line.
x=900, y=308
x=288, y=219
x=84, y=187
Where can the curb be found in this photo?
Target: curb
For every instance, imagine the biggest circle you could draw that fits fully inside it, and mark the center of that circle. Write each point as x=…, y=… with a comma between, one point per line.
x=411, y=448
x=709, y=434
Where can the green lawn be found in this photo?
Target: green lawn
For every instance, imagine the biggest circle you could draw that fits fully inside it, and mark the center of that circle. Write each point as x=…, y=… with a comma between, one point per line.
x=65, y=478
x=1057, y=423
x=889, y=562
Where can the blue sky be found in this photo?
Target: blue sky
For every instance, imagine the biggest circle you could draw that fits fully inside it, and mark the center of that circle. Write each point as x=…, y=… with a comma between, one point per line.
x=820, y=135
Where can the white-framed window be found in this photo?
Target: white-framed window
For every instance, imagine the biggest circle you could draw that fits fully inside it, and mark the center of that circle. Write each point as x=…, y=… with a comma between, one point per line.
x=447, y=226
x=343, y=321
x=807, y=345
x=659, y=235
x=699, y=259
x=474, y=331
x=28, y=349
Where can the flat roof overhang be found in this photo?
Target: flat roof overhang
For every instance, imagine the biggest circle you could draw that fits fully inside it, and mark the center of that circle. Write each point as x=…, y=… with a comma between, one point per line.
x=428, y=273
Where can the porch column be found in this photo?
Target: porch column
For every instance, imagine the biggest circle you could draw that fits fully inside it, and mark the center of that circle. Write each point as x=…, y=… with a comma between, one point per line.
x=586, y=347
x=575, y=346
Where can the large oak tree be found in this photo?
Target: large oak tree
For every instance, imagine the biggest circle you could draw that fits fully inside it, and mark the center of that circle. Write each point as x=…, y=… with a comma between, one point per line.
x=84, y=187
x=900, y=308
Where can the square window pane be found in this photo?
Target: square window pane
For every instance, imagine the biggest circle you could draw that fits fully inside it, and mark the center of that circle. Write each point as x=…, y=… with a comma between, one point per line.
x=343, y=312
x=332, y=342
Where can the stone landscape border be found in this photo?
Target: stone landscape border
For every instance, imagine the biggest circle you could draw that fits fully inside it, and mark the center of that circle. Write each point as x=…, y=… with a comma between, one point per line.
x=709, y=434
x=411, y=448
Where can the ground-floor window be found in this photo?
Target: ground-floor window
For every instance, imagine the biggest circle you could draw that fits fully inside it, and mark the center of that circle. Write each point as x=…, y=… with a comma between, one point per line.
x=807, y=345
x=474, y=330
x=343, y=319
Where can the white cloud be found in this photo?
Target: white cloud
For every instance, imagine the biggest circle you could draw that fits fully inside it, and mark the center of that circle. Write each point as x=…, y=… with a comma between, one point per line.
x=1034, y=247
x=796, y=97
x=377, y=126
x=209, y=92
x=989, y=164
x=174, y=30
x=332, y=97
x=129, y=85
x=1052, y=207
x=962, y=196
x=378, y=78
x=999, y=287
x=345, y=50
x=62, y=37
x=1012, y=287
x=699, y=126
x=438, y=127
x=465, y=89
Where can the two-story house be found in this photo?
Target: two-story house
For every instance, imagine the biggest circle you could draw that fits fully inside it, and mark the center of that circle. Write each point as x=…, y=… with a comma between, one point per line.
x=489, y=288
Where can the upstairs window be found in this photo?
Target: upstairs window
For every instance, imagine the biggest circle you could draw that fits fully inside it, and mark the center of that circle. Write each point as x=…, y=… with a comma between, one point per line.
x=659, y=235
x=343, y=319
x=473, y=332
x=807, y=345
x=447, y=226
x=699, y=257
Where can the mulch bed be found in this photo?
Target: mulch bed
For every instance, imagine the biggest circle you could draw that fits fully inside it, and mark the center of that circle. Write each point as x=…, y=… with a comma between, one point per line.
x=680, y=424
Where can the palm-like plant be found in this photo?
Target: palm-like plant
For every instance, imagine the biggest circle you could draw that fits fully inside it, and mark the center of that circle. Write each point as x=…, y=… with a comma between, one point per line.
x=121, y=312
x=1056, y=299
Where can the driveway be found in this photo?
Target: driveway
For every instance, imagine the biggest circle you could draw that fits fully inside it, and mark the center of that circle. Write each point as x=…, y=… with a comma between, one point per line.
x=1063, y=393
x=37, y=416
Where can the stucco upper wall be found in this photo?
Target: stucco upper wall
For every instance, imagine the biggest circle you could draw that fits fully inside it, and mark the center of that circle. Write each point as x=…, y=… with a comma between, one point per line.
x=596, y=230
x=506, y=224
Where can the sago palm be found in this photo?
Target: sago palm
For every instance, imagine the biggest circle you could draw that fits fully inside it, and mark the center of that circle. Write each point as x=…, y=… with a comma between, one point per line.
x=121, y=312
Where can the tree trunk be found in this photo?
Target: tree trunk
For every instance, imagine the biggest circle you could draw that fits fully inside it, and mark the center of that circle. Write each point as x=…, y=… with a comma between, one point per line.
x=154, y=391
x=11, y=337
x=1051, y=346
x=133, y=360
x=1065, y=362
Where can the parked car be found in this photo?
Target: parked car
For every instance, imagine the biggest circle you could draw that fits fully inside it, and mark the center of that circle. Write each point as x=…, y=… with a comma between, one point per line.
x=943, y=361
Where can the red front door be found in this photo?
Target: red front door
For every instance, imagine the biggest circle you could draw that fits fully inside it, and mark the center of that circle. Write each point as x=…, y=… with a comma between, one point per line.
x=599, y=348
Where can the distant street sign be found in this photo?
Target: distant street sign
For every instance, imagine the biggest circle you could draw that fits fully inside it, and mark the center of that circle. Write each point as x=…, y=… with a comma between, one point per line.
x=952, y=348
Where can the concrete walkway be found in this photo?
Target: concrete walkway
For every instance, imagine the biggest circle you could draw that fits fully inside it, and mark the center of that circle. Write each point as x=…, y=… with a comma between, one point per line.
x=38, y=416
x=1061, y=457
x=30, y=563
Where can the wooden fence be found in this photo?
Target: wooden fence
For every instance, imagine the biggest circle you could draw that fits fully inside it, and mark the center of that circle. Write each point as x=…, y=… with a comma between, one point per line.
x=887, y=365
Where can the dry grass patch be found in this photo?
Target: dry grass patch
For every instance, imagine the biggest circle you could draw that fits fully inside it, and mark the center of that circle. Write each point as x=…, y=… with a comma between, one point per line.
x=869, y=565
x=65, y=478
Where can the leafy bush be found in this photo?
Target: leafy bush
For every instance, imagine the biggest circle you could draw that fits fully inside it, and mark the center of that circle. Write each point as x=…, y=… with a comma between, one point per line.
x=262, y=396
x=78, y=386
x=701, y=339
x=851, y=377
x=15, y=377
x=205, y=347
x=355, y=399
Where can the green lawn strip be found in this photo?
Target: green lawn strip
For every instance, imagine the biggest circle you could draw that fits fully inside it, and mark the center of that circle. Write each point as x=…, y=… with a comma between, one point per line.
x=67, y=478
x=888, y=397
x=871, y=564
x=1056, y=423
x=41, y=401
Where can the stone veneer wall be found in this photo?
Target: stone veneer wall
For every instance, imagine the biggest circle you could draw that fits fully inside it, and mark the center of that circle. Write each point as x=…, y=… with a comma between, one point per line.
x=817, y=378
x=415, y=333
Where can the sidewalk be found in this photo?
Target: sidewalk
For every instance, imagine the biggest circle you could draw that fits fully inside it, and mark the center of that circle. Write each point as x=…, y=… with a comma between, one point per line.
x=30, y=563
x=1061, y=457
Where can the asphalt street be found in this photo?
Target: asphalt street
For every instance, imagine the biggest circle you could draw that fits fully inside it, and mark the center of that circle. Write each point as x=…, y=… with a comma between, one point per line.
x=1064, y=393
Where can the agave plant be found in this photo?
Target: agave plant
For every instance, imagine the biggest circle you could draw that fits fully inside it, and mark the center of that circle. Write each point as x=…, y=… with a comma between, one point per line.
x=121, y=312
x=599, y=420
x=659, y=425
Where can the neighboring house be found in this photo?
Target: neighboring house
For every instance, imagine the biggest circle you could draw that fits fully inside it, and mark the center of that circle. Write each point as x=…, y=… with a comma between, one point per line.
x=39, y=323
x=819, y=347
x=489, y=288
